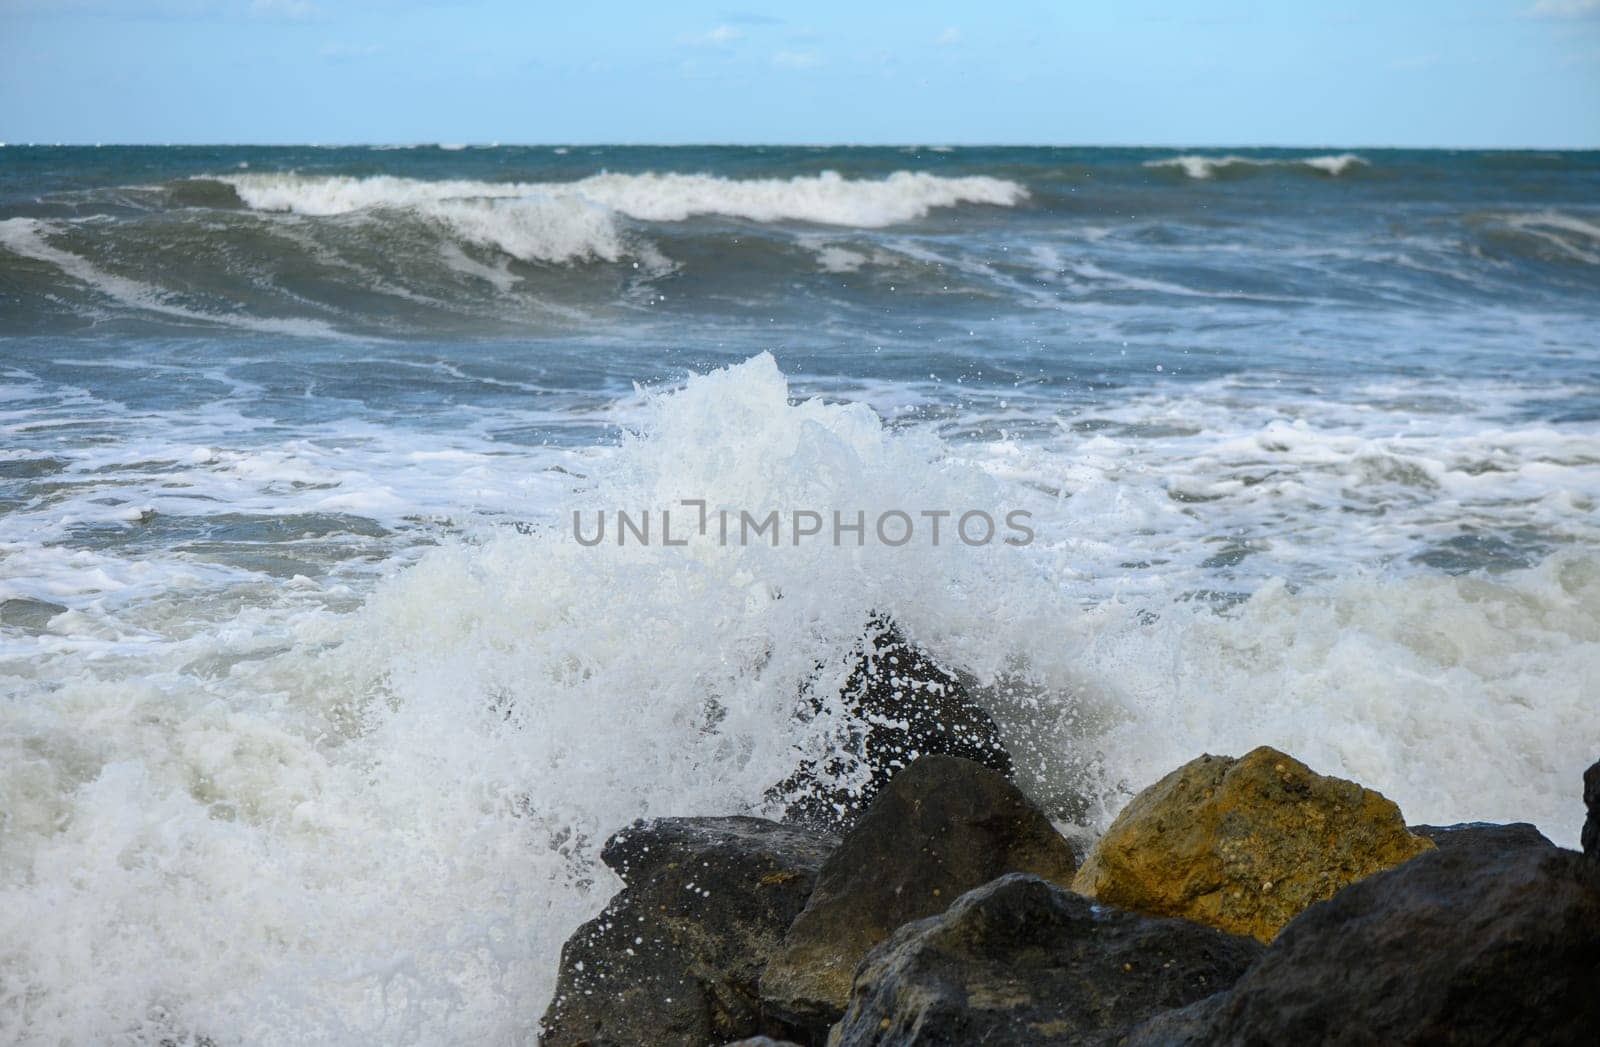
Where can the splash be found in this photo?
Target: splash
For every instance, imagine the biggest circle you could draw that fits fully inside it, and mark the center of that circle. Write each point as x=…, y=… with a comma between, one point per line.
x=293, y=813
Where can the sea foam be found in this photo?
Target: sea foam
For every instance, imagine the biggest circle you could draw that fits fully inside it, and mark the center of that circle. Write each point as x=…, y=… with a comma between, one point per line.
x=564, y=221
x=275, y=818
x=1197, y=166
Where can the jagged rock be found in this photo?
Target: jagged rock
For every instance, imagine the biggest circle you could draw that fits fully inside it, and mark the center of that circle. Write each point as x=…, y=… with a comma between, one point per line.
x=1591, y=800
x=764, y=1041
x=1021, y=962
x=902, y=704
x=1463, y=946
x=1244, y=845
x=1483, y=836
x=941, y=827
x=677, y=955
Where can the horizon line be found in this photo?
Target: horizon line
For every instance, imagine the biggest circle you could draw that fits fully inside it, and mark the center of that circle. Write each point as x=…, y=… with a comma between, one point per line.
x=929, y=144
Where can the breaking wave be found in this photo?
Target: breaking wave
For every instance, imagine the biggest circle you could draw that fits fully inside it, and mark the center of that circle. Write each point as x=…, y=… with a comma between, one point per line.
x=301, y=822
x=1196, y=166
x=563, y=221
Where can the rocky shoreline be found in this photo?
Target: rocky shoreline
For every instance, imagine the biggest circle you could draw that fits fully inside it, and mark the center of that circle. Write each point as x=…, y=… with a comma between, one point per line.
x=1235, y=901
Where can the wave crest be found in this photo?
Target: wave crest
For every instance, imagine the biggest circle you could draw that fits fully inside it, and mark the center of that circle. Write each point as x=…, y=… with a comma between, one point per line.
x=1195, y=166
x=581, y=220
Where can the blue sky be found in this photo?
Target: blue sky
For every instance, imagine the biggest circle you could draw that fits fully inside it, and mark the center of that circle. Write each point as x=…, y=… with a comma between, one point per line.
x=1463, y=73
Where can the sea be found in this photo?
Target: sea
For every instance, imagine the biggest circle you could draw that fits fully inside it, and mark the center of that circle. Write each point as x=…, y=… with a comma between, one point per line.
x=315, y=712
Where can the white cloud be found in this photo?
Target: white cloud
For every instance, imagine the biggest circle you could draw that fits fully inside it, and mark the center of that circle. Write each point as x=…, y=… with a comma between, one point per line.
x=949, y=37
x=720, y=36
x=797, y=59
x=1564, y=8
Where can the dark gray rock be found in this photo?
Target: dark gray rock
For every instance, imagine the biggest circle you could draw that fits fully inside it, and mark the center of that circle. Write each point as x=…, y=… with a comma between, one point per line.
x=1462, y=946
x=942, y=827
x=1483, y=836
x=1591, y=800
x=1020, y=962
x=902, y=705
x=764, y=1041
x=1184, y=1027
x=676, y=957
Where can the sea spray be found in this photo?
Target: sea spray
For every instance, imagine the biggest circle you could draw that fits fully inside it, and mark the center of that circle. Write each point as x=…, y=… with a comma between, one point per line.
x=305, y=822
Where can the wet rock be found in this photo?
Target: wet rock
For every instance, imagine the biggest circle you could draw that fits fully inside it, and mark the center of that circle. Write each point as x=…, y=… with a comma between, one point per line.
x=1244, y=845
x=1591, y=800
x=940, y=828
x=676, y=957
x=902, y=705
x=1021, y=962
x=1483, y=836
x=1464, y=946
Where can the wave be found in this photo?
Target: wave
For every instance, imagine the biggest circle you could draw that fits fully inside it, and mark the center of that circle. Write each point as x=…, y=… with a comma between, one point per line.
x=567, y=221
x=28, y=238
x=1196, y=166
x=1552, y=235
x=451, y=755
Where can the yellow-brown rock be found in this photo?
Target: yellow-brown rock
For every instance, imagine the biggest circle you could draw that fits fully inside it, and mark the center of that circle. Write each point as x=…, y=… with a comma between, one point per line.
x=1244, y=845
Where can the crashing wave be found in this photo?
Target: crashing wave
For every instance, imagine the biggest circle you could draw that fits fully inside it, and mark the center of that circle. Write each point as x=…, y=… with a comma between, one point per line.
x=568, y=221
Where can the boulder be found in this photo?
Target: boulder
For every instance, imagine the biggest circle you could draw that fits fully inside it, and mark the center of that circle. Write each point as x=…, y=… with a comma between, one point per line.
x=1463, y=946
x=940, y=828
x=1183, y=1027
x=899, y=704
x=1483, y=836
x=1591, y=800
x=1244, y=845
x=676, y=957
x=1021, y=962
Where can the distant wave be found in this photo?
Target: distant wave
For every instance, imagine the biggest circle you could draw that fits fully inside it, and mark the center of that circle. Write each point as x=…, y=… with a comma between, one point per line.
x=1210, y=166
x=567, y=221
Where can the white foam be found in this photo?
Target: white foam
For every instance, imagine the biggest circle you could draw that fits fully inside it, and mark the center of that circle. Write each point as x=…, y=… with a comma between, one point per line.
x=1198, y=166
x=311, y=811
x=565, y=221
x=1461, y=698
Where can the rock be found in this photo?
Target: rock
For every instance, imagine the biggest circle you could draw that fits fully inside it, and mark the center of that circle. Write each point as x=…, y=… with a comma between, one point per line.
x=1021, y=962
x=1183, y=1027
x=1244, y=845
x=764, y=1041
x=676, y=957
x=940, y=828
x=1484, y=836
x=902, y=704
x=1463, y=946
x=1591, y=800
